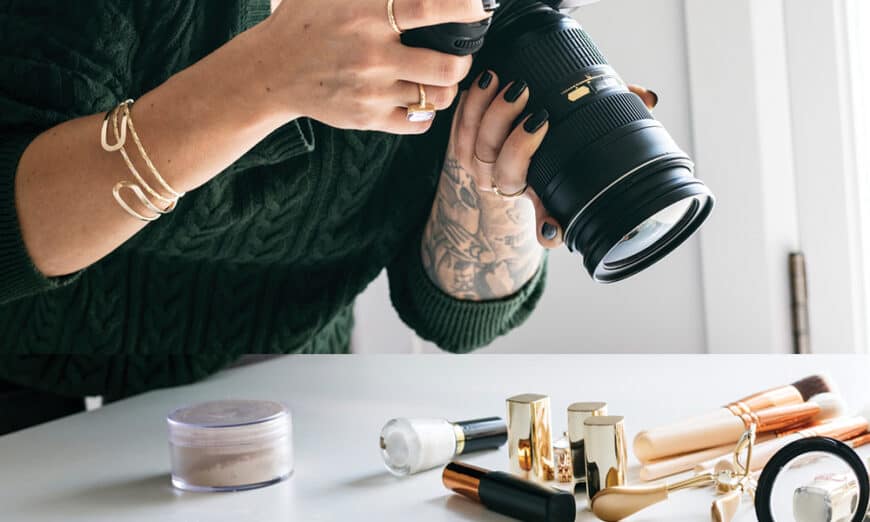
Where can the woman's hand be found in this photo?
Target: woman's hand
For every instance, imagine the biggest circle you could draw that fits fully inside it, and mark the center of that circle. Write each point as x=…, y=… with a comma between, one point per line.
x=341, y=62
x=479, y=244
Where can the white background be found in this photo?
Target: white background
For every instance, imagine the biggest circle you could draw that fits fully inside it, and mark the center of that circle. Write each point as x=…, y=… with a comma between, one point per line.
x=768, y=115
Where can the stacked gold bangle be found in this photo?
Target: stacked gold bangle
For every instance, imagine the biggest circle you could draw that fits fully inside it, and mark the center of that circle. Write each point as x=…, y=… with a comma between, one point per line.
x=140, y=188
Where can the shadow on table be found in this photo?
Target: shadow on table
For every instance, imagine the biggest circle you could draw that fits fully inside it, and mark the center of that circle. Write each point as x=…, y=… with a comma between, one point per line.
x=373, y=480
x=464, y=509
x=143, y=492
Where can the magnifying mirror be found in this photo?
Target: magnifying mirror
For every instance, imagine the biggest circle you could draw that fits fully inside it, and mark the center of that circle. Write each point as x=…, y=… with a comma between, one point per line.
x=817, y=479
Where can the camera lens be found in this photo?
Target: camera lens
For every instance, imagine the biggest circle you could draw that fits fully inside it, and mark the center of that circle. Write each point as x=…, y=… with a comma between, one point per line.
x=640, y=241
x=622, y=189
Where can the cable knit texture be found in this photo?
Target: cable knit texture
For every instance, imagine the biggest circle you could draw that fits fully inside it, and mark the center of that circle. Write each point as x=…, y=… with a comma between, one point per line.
x=266, y=258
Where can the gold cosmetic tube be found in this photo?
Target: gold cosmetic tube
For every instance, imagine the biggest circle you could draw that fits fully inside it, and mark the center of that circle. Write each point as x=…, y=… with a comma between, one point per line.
x=606, y=455
x=530, y=442
x=577, y=414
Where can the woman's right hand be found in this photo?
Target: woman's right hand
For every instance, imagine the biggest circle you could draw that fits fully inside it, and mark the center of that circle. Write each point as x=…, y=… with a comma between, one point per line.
x=341, y=63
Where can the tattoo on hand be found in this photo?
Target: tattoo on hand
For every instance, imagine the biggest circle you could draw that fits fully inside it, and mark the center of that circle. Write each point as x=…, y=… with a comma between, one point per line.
x=478, y=249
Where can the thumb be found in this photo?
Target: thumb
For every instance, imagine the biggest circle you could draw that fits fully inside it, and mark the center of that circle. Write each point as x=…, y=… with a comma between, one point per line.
x=547, y=228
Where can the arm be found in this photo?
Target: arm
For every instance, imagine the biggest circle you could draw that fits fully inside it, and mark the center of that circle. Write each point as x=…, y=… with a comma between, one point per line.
x=193, y=128
x=205, y=117
x=476, y=245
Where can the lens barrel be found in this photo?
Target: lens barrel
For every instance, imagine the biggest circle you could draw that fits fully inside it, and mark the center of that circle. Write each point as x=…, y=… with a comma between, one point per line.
x=607, y=165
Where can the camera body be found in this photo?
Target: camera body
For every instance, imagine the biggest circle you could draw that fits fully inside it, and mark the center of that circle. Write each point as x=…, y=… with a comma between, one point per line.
x=608, y=171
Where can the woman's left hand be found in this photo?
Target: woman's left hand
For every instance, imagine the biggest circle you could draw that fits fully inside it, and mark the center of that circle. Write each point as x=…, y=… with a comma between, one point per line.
x=485, y=144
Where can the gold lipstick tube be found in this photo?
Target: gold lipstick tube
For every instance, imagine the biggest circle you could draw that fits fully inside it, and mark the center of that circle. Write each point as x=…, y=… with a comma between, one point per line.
x=530, y=442
x=577, y=415
x=606, y=455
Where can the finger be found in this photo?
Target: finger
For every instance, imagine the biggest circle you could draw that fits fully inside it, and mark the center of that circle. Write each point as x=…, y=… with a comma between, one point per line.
x=548, y=230
x=407, y=94
x=431, y=67
x=499, y=118
x=396, y=122
x=516, y=155
x=476, y=102
x=650, y=98
x=411, y=14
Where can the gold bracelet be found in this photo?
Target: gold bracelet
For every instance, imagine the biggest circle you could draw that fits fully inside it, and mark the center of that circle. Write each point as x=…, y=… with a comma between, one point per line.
x=129, y=117
x=120, y=141
x=116, y=191
x=142, y=183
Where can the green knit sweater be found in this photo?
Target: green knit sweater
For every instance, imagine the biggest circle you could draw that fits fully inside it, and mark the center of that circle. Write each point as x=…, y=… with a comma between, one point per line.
x=266, y=258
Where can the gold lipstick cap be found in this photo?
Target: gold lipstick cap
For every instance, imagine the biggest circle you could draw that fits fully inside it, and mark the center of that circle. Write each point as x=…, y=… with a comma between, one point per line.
x=530, y=443
x=606, y=455
x=577, y=414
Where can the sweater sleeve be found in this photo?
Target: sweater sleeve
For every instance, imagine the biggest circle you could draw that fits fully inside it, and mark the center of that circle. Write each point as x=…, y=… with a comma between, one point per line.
x=454, y=325
x=18, y=275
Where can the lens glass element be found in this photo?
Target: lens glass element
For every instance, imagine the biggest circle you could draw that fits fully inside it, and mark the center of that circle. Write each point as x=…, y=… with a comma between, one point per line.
x=642, y=240
x=815, y=487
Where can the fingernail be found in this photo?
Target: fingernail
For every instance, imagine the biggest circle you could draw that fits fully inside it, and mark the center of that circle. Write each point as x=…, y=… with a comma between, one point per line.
x=536, y=121
x=655, y=97
x=490, y=5
x=485, y=80
x=514, y=91
x=549, y=231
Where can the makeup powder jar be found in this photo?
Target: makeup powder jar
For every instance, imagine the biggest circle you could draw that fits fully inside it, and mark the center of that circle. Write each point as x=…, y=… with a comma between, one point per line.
x=230, y=445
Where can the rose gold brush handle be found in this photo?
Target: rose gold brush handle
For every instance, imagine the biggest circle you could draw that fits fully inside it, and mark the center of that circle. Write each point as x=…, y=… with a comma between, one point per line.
x=840, y=429
x=676, y=440
x=671, y=466
x=794, y=393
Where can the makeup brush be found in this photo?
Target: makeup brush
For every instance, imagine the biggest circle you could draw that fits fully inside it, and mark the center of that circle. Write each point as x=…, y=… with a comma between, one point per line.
x=646, y=444
x=844, y=428
x=831, y=406
x=859, y=441
x=673, y=465
x=728, y=429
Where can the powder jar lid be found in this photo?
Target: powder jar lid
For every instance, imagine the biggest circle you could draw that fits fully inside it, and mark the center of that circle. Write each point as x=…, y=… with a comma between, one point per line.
x=228, y=423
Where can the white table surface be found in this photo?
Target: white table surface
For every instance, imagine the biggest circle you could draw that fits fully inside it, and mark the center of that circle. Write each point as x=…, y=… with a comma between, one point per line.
x=112, y=464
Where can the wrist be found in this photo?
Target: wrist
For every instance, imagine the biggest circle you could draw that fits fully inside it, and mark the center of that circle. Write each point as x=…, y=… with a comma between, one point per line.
x=256, y=52
x=247, y=82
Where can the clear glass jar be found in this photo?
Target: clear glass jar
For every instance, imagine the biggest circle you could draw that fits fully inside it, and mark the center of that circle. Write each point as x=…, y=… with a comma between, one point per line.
x=230, y=445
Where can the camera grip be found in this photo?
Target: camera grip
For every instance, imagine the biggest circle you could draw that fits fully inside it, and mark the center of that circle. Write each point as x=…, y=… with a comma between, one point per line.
x=453, y=38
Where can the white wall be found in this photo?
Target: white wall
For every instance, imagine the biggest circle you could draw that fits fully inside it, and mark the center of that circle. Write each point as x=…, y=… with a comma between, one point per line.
x=658, y=311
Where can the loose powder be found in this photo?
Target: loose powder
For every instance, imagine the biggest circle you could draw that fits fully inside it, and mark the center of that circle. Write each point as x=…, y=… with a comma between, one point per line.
x=230, y=445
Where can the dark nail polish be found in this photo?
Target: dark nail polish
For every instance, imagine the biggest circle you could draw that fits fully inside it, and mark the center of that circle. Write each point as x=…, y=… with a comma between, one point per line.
x=490, y=5
x=536, y=121
x=514, y=91
x=549, y=231
x=655, y=98
x=485, y=80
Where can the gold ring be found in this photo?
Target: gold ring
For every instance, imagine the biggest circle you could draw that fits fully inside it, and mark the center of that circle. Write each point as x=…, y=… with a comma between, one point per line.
x=421, y=111
x=391, y=16
x=477, y=159
x=507, y=196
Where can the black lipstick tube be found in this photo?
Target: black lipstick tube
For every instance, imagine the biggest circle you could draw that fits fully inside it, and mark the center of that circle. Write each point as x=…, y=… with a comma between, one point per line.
x=509, y=495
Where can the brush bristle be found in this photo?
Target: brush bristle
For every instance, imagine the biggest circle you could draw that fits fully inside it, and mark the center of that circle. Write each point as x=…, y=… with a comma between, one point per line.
x=813, y=385
x=832, y=406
